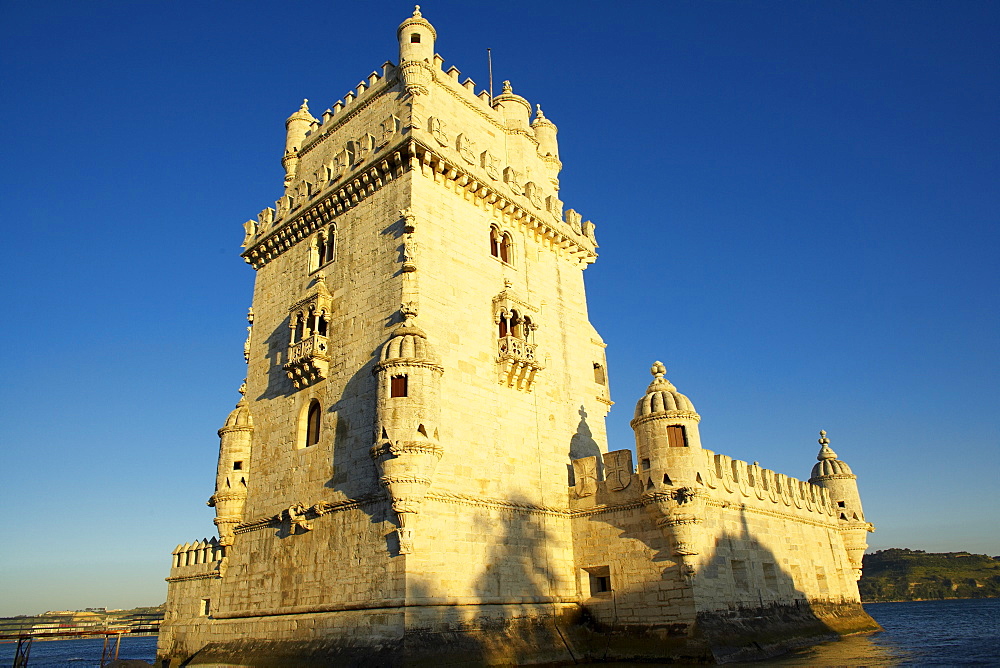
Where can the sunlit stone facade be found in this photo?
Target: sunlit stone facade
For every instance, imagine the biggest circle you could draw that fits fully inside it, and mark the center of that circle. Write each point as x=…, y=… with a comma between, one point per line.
x=419, y=466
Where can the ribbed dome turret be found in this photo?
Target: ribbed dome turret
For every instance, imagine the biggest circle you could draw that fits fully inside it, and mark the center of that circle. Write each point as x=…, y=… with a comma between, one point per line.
x=828, y=462
x=302, y=114
x=661, y=396
x=240, y=417
x=407, y=342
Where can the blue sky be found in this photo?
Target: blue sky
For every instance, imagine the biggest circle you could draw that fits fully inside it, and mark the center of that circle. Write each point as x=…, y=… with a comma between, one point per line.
x=796, y=204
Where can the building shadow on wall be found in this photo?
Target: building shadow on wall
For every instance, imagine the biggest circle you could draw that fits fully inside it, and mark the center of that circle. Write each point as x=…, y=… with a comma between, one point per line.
x=515, y=617
x=742, y=603
x=582, y=444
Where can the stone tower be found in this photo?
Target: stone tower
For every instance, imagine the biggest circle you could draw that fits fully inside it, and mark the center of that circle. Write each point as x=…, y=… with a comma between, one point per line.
x=418, y=471
x=421, y=372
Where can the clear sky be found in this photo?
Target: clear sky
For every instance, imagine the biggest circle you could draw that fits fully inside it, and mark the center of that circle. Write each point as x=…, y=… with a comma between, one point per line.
x=796, y=204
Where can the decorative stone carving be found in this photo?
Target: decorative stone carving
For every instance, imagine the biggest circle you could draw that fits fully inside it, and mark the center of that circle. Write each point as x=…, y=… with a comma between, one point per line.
x=533, y=194
x=514, y=180
x=437, y=129
x=265, y=218
x=489, y=163
x=678, y=512
x=585, y=475
x=466, y=148
x=387, y=130
x=308, y=350
x=295, y=515
x=618, y=469
x=250, y=230
x=518, y=361
x=246, y=344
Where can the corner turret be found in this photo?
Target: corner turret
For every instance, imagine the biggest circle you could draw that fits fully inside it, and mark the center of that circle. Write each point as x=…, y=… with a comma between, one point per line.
x=837, y=478
x=516, y=111
x=416, y=52
x=669, y=449
x=233, y=471
x=296, y=128
x=407, y=417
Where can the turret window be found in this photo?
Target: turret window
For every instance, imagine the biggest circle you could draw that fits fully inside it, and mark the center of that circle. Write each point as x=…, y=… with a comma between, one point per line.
x=237, y=466
x=313, y=423
x=398, y=386
x=415, y=38
x=676, y=437
x=600, y=377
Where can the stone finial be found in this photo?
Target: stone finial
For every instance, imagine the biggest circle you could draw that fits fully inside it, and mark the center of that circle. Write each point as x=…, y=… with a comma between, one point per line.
x=305, y=105
x=408, y=311
x=416, y=11
x=825, y=452
x=539, y=115
x=243, y=389
x=507, y=88
x=658, y=370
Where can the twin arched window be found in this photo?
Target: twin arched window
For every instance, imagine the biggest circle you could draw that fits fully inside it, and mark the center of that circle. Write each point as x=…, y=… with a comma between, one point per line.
x=306, y=324
x=516, y=325
x=500, y=244
x=323, y=249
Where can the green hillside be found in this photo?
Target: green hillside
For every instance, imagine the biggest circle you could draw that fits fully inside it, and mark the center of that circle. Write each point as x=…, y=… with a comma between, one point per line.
x=900, y=574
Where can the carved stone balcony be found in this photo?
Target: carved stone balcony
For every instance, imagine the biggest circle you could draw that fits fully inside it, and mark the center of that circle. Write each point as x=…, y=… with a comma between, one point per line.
x=308, y=360
x=518, y=362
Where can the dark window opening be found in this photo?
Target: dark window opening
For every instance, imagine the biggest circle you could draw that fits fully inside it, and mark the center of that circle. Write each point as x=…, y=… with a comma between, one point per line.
x=237, y=466
x=494, y=242
x=601, y=583
x=300, y=327
x=415, y=38
x=676, y=437
x=312, y=424
x=398, y=386
x=667, y=480
x=503, y=327
x=645, y=463
x=327, y=256
x=321, y=326
x=505, y=248
x=841, y=504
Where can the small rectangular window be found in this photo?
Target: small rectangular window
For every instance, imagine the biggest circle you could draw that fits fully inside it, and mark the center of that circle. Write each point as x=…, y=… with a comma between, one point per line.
x=770, y=576
x=841, y=504
x=415, y=38
x=645, y=464
x=740, y=578
x=398, y=386
x=205, y=607
x=237, y=466
x=599, y=578
x=676, y=436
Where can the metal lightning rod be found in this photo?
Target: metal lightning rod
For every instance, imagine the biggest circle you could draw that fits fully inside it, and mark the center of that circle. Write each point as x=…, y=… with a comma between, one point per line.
x=489, y=60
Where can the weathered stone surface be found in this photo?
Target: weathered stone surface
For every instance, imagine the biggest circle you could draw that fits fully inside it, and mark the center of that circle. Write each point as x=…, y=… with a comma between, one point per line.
x=419, y=474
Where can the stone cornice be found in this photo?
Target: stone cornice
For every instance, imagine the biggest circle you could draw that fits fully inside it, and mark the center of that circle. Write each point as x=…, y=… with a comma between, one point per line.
x=399, y=362
x=665, y=415
x=211, y=575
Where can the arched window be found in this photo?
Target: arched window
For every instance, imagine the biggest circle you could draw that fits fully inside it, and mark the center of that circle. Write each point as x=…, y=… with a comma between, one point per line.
x=313, y=423
x=298, y=330
x=503, y=326
x=505, y=247
x=320, y=249
x=494, y=242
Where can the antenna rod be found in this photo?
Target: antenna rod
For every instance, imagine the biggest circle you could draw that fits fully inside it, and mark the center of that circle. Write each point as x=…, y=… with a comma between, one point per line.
x=489, y=59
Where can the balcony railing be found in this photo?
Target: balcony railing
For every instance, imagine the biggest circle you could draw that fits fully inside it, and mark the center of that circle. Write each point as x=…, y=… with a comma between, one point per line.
x=513, y=348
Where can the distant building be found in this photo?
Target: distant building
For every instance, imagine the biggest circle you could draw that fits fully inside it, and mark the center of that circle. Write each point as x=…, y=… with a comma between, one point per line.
x=419, y=468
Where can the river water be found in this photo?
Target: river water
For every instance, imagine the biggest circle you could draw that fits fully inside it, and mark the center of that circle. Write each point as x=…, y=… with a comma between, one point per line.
x=918, y=633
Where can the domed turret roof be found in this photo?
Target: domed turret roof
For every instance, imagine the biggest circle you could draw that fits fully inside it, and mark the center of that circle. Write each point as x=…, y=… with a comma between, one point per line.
x=661, y=396
x=302, y=114
x=416, y=19
x=240, y=417
x=540, y=118
x=407, y=341
x=828, y=462
x=508, y=95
